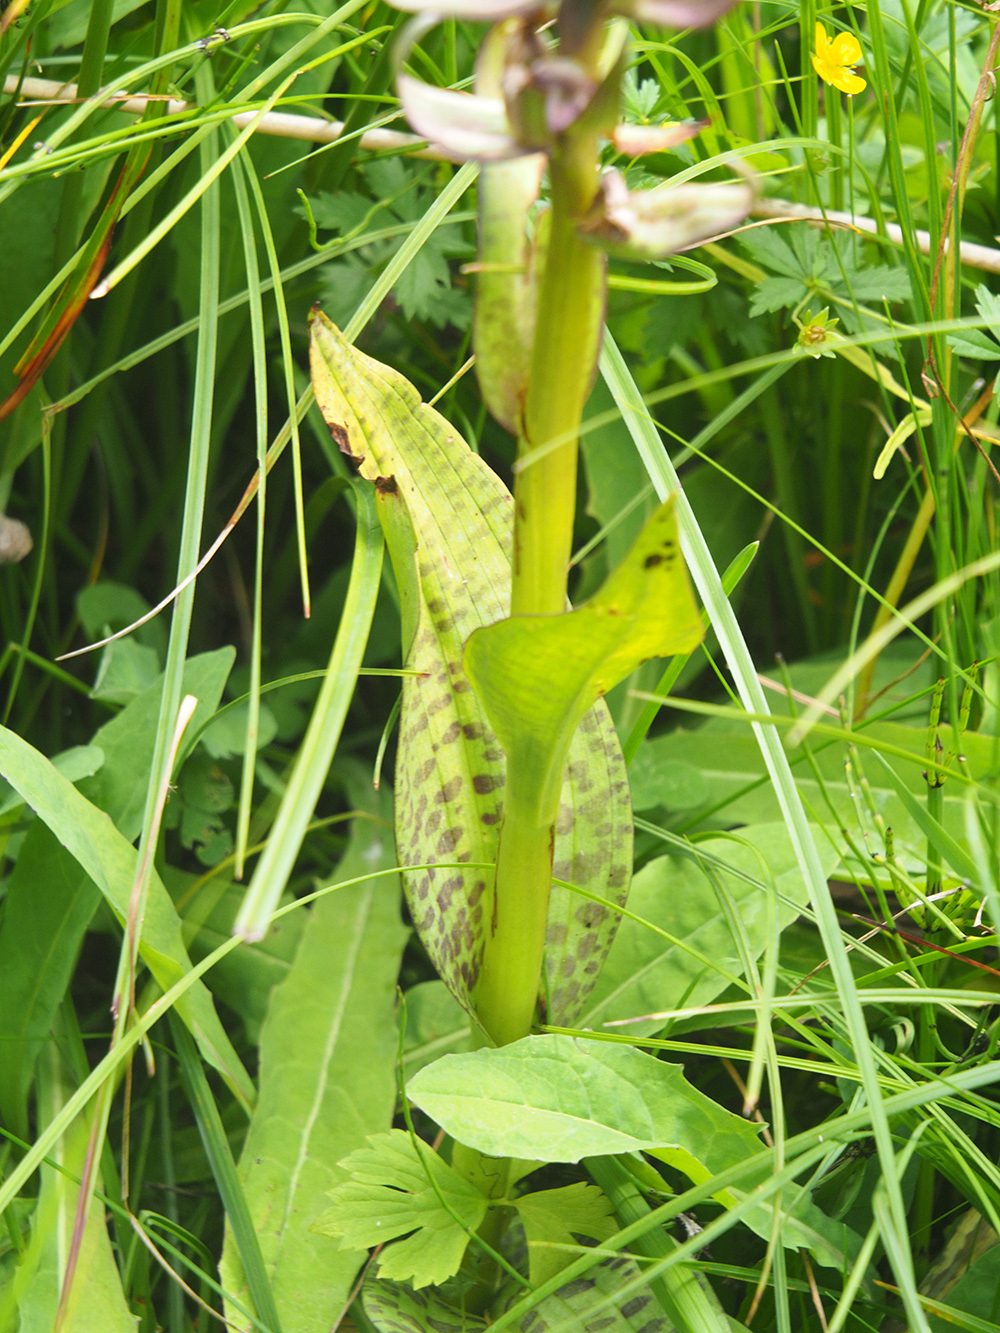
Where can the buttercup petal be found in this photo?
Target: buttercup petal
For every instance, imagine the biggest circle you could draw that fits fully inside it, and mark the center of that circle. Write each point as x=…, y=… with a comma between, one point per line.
x=849, y=83
x=846, y=49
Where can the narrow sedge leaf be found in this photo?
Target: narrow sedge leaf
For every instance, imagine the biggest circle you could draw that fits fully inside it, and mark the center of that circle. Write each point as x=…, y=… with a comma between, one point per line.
x=391, y=1194
x=110, y=859
x=448, y=523
x=558, y=1099
x=649, y=224
x=538, y=676
x=953, y=852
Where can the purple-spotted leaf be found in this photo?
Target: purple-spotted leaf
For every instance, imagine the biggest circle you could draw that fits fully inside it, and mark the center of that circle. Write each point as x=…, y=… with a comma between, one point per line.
x=394, y=1307
x=448, y=523
x=538, y=676
x=588, y=1304
x=649, y=224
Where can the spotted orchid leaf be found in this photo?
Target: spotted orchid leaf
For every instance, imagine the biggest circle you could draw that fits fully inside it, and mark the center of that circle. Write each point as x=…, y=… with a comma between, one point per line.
x=448, y=523
x=649, y=224
x=538, y=676
x=586, y=1304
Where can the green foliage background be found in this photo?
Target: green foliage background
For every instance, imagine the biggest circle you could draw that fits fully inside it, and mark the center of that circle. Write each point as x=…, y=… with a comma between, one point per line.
x=134, y=448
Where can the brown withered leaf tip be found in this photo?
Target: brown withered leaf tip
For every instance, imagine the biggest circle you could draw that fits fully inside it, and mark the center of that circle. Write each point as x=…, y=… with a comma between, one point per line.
x=343, y=442
x=386, y=485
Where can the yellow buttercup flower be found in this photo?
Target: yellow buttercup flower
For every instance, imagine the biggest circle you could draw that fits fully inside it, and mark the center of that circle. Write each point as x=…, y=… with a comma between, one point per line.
x=832, y=61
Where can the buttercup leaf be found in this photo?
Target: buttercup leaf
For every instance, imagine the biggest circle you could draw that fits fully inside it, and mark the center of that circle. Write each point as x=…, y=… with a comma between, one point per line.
x=556, y=1217
x=390, y=1194
x=448, y=519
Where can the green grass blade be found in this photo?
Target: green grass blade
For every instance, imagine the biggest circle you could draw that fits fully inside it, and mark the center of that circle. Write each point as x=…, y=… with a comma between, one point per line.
x=260, y=422
x=726, y=626
x=220, y=1159
x=323, y=734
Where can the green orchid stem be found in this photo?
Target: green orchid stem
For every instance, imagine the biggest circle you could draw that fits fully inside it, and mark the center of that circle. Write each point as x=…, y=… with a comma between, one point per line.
x=567, y=341
x=571, y=300
x=507, y=992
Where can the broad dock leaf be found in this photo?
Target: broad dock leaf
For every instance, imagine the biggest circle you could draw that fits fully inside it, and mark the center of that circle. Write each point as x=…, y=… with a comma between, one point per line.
x=448, y=523
x=687, y=955
x=558, y=1099
x=326, y=1076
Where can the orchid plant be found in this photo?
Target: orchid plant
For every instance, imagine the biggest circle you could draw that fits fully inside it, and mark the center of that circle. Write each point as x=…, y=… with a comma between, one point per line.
x=547, y=94
x=512, y=799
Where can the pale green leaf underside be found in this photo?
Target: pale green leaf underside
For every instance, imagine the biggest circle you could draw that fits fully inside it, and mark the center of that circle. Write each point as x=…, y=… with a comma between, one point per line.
x=539, y=675
x=558, y=1099
x=448, y=522
x=391, y=1194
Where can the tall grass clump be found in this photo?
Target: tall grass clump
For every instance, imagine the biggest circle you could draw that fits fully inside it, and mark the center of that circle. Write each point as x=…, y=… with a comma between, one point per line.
x=500, y=666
